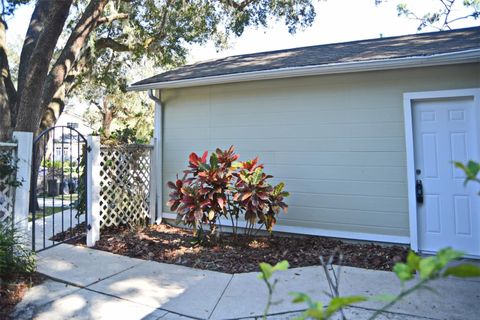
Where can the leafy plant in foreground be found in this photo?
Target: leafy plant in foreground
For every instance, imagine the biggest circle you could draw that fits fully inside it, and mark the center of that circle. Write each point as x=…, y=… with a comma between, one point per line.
x=471, y=170
x=428, y=269
x=15, y=257
x=220, y=186
x=266, y=272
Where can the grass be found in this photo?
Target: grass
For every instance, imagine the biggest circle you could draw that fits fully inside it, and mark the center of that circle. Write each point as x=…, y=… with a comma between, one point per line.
x=48, y=212
x=66, y=197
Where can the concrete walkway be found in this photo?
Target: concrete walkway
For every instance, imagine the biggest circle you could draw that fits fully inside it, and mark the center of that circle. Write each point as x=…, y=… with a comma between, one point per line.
x=52, y=225
x=91, y=284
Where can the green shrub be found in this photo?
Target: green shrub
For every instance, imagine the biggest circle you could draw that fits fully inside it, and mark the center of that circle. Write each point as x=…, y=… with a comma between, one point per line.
x=15, y=256
x=8, y=168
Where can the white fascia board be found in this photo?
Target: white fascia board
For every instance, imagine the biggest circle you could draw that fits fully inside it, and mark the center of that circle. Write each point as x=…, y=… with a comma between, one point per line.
x=467, y=56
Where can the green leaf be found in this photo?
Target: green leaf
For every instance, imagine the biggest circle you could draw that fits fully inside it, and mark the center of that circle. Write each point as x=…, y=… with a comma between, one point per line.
x=428, y=267
x=267, y=271
x=463, y=271
x=340, y=302
x=316, y=313
x=278, y=188
x=203, y=166
x=403, y=271
x=299, y=297
x=281, y=266
x=257, y=175
x=413, y=260
x=236, y=164
x=214, y=161
x=447, y=255
x=473, y=168
x=460, y=165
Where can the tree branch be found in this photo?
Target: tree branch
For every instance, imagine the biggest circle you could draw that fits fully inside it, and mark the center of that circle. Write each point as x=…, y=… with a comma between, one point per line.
x=245, y=3
x=104, y=43
x=113, y=17
x=72, y=49
x=237, y=5
x=461, y=18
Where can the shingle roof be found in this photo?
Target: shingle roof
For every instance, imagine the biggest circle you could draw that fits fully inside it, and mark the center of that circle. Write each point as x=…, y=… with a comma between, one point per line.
x=416, y=45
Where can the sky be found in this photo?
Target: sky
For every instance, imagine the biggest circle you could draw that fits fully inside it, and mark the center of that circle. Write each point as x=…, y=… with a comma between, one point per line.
x=336, y=21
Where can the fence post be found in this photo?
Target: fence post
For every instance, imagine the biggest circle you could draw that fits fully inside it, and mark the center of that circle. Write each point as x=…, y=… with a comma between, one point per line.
x=153, y=182
x=93, y=187
x=24, y=142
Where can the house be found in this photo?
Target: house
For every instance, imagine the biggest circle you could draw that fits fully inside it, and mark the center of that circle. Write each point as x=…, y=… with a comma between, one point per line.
x=67, y=141
x=354, y=129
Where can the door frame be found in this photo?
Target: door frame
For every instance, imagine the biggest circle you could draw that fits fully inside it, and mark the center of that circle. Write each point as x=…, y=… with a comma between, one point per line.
x=408, y=99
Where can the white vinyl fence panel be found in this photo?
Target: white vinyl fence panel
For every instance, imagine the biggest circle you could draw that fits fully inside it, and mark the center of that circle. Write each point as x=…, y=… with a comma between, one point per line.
x=7, y=190
x=125, y=185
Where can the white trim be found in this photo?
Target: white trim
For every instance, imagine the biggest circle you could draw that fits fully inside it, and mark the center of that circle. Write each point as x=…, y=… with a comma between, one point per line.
x=408, y=99
x=412, y=202
x=169, y=215
x=8, y=144
x=466, y=56
x=24, y=142
x=158, y=150
x=152, y=211
x=321, y=232
x=93, y=194
x=465, y=256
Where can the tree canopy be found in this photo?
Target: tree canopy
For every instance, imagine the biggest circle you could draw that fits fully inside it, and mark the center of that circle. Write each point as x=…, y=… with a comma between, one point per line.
x=74, y=43
x=442, y=17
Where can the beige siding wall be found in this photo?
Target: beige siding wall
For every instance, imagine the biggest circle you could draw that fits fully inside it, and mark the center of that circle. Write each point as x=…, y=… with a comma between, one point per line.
x=337, y=141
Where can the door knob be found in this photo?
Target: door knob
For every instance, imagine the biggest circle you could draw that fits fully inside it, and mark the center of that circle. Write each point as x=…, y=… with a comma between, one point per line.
x=419, y=191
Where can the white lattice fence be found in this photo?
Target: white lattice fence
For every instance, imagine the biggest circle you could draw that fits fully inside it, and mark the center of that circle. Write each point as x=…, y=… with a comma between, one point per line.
x=124, y=184
x=7, y=189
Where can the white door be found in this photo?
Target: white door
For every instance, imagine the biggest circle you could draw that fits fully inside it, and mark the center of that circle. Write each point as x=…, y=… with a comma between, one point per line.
x=445, y=130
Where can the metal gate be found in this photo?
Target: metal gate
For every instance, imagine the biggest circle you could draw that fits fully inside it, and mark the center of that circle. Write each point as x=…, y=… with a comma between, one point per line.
x=58, y=204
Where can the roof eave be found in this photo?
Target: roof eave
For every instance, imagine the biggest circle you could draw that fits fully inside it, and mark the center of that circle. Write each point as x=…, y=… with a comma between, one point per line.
x=467, y=56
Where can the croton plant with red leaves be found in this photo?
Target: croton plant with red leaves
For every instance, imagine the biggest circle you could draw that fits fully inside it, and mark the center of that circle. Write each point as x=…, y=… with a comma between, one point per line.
x=220, y=186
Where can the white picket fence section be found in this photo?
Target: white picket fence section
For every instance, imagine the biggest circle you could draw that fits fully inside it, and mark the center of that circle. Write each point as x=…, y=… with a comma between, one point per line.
x=14, y=201
x=122, y=191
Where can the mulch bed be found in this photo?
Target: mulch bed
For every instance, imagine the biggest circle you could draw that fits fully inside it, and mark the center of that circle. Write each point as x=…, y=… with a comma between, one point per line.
x=12, y=290
x=168, y=244
x=77, y=231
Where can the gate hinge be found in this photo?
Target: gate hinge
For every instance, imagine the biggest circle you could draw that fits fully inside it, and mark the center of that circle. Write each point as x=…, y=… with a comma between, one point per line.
x=89, y=148
x=89, y=227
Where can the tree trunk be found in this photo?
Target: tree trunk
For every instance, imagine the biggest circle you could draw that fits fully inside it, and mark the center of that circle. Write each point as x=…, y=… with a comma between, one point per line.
x=107, y=117
x=7, y=90
x=48, y=121
x=71, y=52
x=37, y=21
x=29, y=107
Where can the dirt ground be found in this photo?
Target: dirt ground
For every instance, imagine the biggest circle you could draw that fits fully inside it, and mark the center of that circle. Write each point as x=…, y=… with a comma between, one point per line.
x=169, y=244
x=13, y=289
